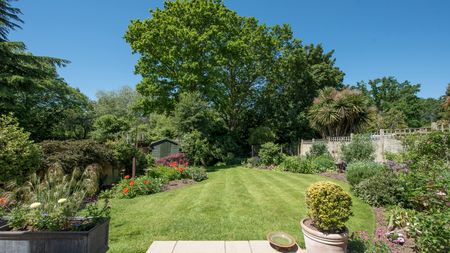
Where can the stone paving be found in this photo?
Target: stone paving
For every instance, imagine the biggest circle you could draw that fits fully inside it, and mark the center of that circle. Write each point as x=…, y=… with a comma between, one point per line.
x=214, y=247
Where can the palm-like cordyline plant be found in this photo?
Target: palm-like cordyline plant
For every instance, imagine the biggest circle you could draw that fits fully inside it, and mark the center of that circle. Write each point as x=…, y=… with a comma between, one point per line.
x=339, y=113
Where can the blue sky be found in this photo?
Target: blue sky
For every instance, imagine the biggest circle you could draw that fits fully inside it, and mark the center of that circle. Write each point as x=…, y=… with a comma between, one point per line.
x=408, y=39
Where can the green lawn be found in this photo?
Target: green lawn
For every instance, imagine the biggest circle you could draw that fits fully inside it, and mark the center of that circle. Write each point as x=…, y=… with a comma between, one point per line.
x=233, y=204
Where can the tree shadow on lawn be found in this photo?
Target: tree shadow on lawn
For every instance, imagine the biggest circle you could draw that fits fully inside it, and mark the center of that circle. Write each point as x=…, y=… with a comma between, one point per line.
x=221, y=167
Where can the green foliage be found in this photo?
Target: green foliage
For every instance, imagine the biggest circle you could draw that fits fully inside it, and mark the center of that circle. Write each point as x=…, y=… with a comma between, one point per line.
x=163, y=172
x=318, y=149
x=109, y=127
x=124, y=153
x=197, y=173
x=261, y=135
x=360, y=148
x=19, y=156
x=339, y=113
x=270, y=154
x=132, y=187
x=252, y=162
x=359, y=242
x=431, y=232
x=296, y=164
x=75, y=154
x=360, y=171
x=380, y=189
x=122, y=103
x=329, y=206
x=198, y=149
x=322, y=163
x=51, y=202
x=399, y=218
x=389, y=94
x=228, y=60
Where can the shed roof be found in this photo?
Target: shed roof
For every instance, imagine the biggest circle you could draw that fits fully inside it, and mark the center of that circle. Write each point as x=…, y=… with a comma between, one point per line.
x=162, y=141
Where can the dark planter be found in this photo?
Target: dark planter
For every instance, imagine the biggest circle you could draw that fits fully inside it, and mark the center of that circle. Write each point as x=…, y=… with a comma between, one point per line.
x=92, y=241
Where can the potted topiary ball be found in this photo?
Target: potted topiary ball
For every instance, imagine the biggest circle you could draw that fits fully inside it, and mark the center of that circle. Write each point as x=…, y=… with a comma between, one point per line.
x=329, y=207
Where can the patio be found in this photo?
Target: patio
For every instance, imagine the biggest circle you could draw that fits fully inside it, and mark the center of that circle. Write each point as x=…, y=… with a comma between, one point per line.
x=214, y=247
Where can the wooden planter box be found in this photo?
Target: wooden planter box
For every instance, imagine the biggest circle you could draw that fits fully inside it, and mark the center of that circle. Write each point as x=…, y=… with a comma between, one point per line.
x=92, y=241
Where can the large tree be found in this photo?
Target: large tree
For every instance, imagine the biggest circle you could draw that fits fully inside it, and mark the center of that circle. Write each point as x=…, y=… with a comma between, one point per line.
x=31, y=88
x=251, y=74
x=387, y=93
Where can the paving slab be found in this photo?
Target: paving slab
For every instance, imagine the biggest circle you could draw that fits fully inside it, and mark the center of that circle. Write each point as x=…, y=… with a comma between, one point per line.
x=237, y=247
x=199, y=247
x=162, y=247
x=214, y=247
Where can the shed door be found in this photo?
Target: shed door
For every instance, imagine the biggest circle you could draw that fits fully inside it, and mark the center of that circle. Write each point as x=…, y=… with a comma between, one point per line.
x=165, y=149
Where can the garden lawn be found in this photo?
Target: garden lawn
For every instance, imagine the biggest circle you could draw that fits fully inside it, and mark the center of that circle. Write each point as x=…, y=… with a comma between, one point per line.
x=233, y=204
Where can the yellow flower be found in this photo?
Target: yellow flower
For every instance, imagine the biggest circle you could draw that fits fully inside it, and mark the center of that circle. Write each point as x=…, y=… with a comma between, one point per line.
x=60, y=201
x=35, y=205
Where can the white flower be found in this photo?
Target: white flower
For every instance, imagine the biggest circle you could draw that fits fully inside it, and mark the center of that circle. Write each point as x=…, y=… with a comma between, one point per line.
x=60, y=201
x=35, y=205
x=441, y=193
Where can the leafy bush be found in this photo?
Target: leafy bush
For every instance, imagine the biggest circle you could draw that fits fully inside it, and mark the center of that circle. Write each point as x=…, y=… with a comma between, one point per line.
x=132, y=187
x=380, y=189
x=431, y=232
x=164, y=172
x=19, y=156
x=76, y=154
x=297, y=165
x=124, y=153
x=252, y=162
x=329, y=206
x=359, y=171
x=322, y=163
x=197, y=173
x=399, y=217
x=360, y=148
x=179, y=158
x=270, y=154
x=318, y=149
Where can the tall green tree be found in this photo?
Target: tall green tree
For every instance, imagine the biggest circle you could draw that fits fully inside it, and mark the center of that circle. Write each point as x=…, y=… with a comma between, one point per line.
x=250, y=73
x=202, y=46
x=387, y=93
x=31, y=88
x=339, y=113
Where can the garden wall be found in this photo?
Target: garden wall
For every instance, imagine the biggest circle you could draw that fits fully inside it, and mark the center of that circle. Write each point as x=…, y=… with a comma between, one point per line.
x=384, y=141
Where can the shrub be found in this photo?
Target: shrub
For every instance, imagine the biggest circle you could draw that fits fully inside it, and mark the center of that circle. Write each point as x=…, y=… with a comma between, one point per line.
x=381, y=189
x=431, y=232
x=399, y=217
x=132, y=187
x=163, y=172
x=359, y=171
x=19, y=156
x=270, y=154
x=197, y=173
x=322, y=163
x=329, y=206
x=252, y=162
x=360, y=148
x=124, y=153
x=318, y=149
x=297, y=165
x=76, y=154
x=179, y=158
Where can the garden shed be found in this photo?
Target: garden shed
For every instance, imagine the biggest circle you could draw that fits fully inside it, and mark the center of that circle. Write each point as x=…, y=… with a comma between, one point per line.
x=163, y=148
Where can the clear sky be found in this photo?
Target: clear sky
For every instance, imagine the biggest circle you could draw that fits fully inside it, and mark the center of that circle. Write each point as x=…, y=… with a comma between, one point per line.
x=408, y=39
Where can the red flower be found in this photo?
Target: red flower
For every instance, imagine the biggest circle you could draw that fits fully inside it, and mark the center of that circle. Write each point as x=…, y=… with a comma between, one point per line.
x=127, y=177
x=125, y=190
x=3, y=201
x=173, y=164
x=131, y=182
x=146, y=182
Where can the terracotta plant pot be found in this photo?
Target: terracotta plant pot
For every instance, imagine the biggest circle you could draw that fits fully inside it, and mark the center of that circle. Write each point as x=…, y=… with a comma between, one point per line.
x=318, y=242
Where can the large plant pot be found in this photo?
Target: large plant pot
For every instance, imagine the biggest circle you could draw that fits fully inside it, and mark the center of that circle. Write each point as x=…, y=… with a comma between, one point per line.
x=318, y=242
x=92, y=241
